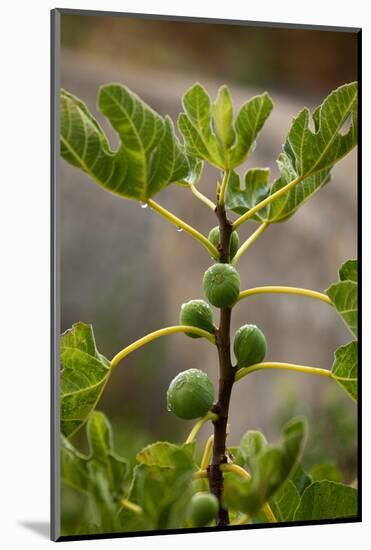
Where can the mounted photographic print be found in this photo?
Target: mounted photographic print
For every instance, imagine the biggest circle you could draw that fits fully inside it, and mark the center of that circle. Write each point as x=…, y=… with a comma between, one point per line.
x=205, y=275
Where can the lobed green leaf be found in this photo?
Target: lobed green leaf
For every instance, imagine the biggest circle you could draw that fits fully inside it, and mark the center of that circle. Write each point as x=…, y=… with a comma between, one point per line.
x=327, y=500
x=326, y=471
x=308, y=157
x=256, y=188
x=163, y=494
x=349, y=271
x=80, y=471
x=194, y=172
x=252, y=444
x=312, y=151
x=344, y=295
x=99, y=475
x=83, y=377
x=285, y=206
x=249, y=122
x=168, y=455
x=74, y=467
x=103, y=458
x=300, y=478
x=223, y=118
x=345, y=368
x=149, y=156
x=272, y=466
x=285, y=502
x=211, y=134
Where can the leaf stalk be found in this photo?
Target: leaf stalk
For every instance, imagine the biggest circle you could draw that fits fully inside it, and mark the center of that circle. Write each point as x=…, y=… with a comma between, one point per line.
x=201, y=474
x=250, y=213
x=285, y=290
x=157, y=334
x=202, y=197
x=249, y=242
x=223, y=188
x=241, y=373
x=197, y=427
x=178, y=222
x=235, y=469
x=125, y=503
x=207, y=453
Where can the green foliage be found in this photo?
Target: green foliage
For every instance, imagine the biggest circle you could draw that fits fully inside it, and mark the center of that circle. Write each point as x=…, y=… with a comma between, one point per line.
x=76, y=468
x=84, y=375
x=301, y=479
x=149, y=156
x=209, y=132
x=221, y=284
x=311, y=151
x=271, y=466
x=322, y=498
x=251, y=445
x=326, y=471
x=344, y=296
x=163, y=494
x=332, y=436
x=161, y=491
x=256, y=188
x=168, y=455
x=100, y=475
x=345, y=368
x=349, y=271
x=190, y=394
x=308, y=156
x=285, y=502
x=223, y=118
x=299, y=496
x=161, y=484
x=327, y=500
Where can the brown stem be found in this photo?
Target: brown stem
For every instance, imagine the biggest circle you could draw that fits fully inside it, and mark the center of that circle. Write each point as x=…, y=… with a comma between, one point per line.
x=226, y=379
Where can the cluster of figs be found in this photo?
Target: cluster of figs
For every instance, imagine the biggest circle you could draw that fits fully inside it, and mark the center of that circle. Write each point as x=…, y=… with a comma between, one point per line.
x=191, y=393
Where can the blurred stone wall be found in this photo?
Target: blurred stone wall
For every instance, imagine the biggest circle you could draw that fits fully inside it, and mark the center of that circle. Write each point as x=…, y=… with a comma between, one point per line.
x=127, y=270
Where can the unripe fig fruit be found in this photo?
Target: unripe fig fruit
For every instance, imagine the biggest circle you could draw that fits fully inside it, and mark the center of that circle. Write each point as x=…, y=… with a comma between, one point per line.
x=190, y=394
x=197, y=313
x=221, y=285
x=234, y=244
x=203, y=508
x=249, y=345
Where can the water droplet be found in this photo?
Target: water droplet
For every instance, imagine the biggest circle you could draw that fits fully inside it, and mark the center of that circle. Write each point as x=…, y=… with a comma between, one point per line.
x=143, y=205
x=179, y=229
